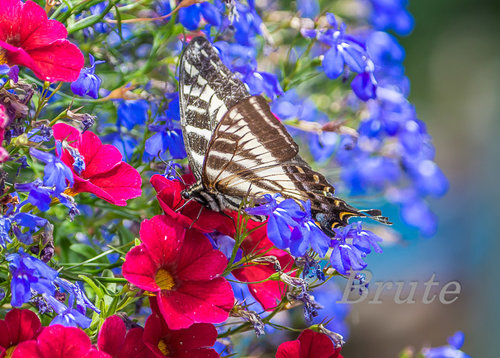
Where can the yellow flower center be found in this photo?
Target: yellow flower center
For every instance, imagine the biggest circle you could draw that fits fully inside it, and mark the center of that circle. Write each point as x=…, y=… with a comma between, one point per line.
x=162, y=346
x=9, y=351
x=164, y=279
x=3, y=56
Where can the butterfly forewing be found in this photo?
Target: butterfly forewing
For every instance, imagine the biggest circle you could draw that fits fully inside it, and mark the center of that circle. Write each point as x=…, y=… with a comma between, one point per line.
x=207, y=90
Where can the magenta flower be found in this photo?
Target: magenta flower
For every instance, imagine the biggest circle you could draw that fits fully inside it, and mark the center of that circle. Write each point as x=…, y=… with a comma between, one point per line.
x=182, y=270
x=310, y=344
x=97, y=168
x=29, y=39
x=17, y=327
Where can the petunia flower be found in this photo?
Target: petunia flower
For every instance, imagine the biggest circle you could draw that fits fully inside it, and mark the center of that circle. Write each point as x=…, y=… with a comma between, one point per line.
x=117, y=342
x=182, y=270
x=56, y=342
x=103, y=172
x=310, y=344
x=18, y=326
x=28, y=38
x=192, y=214
x=193, y=342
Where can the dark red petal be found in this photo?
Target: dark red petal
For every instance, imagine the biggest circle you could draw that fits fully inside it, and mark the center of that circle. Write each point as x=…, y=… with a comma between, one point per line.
x=112, y=335
x=134, y=345
x=290, y=349
x=198, y=261
x=99, y=158
x=10, y=14
x=59, y=61
x=140, y=269
x=197, y=353
x=17, y=56
x=23, y=325
x=94, y=353
x=27, y=349
x=163, y=238
x=61, y=342
x=197, y=302
x=63, y=131
x=315, y=345
x=154, y=330
x=199, y=335
x=5, y=336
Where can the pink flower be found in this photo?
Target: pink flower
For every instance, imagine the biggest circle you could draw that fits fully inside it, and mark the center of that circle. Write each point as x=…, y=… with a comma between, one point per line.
x=56, y=342
x=29, y=39
x=193, y=342
x=269, y=293
x=17, y=327
x=192, y=214
x=4, y=121
x=103, y=173
x=118, y=343
x=182, y=270
x=310, y=344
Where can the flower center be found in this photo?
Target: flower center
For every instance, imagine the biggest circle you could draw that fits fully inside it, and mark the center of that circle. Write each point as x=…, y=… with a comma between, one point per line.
x=163, y=347
x=164, y=279
x=9, y=351
x=3, y=56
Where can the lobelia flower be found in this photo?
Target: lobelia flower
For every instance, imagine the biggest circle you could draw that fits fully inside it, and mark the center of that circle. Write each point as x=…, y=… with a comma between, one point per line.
x=190, y=16
x=117, y=342
x=192, y=342
x=29, y=273
x=17, y=327
x=182, y=270
x=271, y=292
x=67, y=316
x=12, y=72
x=132, y=112
x=104, y=174
x=350, y=245
x=28, y=38
x=192, y=215
x=310, y=344
x=22, y=221
x=452, y=350
x=88, y=82
x=56, y=173
x=56, y=342
x=391, y=15
x=308, y=8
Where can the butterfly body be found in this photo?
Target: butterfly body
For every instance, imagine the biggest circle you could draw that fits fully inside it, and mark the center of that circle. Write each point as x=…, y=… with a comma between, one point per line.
x=238, y=150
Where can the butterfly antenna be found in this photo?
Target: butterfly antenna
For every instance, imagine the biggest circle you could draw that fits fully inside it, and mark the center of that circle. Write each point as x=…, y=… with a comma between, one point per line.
x=197, y=217
x=183, y=205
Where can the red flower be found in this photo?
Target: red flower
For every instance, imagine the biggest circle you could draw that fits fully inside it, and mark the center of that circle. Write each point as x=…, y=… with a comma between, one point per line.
x=104, y=174
x=193, y=342
x=310, y=344
x=4, y=121
x=118, y=343
x=192, y=214
x=182, y=269
x=29, y=39
x=18, y=326
x=269, y=293
x=56, y=342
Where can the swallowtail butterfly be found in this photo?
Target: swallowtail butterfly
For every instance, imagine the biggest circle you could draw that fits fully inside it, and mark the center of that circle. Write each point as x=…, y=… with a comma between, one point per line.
x=238, y=149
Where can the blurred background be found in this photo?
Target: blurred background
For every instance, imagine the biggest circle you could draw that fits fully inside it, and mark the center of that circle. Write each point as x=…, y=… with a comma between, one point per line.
x=453, y=62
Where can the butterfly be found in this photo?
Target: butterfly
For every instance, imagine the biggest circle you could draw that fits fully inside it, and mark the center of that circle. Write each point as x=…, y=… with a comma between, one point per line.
x=238, y=150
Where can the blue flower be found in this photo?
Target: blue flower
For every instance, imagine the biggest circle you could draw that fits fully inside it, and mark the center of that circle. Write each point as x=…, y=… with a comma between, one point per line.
x=76, y=296
x=131, y=113
x=56, y=173
x=66, y=316
x=281, y=214
x=29, y=273
x=88, y=82
x=190, y=16
x=308, y=8
x=307, y=234
x=452, y=350
x=392, y=15
x=334, y=313
x=41, y=134
x=12, y=72
x=350, y=245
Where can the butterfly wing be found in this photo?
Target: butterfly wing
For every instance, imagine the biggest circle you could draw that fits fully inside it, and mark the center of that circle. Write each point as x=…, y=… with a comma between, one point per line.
x=207, y=89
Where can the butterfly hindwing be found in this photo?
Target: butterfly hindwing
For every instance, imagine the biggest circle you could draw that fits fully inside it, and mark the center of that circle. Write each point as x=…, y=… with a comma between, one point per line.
x=207, y=90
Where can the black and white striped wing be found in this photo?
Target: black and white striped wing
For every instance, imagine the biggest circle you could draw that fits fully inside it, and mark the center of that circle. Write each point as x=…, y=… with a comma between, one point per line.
x=207, y=90
x=252, y=154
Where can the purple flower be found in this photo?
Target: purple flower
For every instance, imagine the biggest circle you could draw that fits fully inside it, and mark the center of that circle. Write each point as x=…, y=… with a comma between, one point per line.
x=66, y=316
x=88, y=82
x=350, y=245
x=282, y=215
x=131, y=113
x=190, y=16
x=452, y=350
x=306, y=234
x=29, y=273
x=308, y=8
x=392, y=15
x=56, y=173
